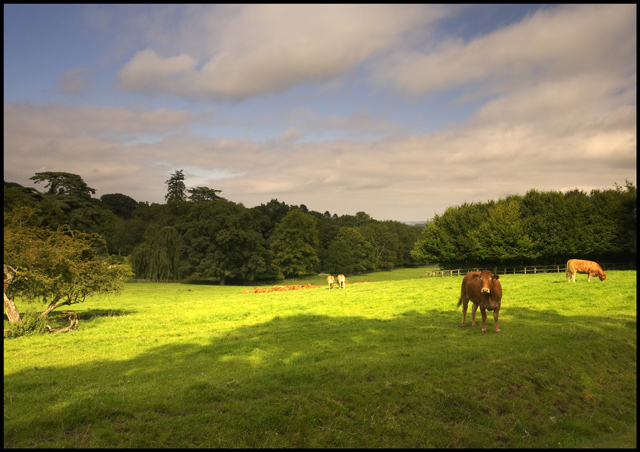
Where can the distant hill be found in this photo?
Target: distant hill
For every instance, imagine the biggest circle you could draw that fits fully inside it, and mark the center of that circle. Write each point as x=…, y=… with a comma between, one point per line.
x=415, y=223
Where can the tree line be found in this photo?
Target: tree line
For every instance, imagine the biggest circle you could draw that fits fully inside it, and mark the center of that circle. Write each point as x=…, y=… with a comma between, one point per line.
x=537, y=228
x=197, y=234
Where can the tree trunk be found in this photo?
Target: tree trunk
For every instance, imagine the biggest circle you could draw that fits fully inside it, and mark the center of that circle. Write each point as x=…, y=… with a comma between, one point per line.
x=9, y=306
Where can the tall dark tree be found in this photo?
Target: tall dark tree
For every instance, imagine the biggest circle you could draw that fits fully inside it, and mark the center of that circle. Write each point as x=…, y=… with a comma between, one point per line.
x=200, y=194
x=407, y=236
x=158, y=259
x=121, y=205
x=124, y=235
x=350, y=252
x=222, y=240
x=60, y=183
x=501, y=239
x=296, y=244
x=176, y=190
x=68, y=201
x=545, y=219
x=385, y=244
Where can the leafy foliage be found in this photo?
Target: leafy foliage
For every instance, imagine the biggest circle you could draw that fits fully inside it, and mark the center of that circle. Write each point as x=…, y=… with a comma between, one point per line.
x=60, y=183
x=266, y=242
x=31, y=323
x=540, y=227
x=296, y=243
x=222, y=239
x=121, y=205
x=200, y=194
x=159, y=258
x=175, y=187
x=350, y=253
x=57, y=267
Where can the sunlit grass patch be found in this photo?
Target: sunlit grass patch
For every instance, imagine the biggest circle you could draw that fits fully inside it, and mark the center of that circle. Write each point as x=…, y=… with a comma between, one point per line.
x=384, y=363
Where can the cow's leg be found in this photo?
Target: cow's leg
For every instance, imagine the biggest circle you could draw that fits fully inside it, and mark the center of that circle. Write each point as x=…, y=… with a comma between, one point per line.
x=589, y=279
x=465, y=305
x=495, y=320
x=483, y=311
x=474, y=308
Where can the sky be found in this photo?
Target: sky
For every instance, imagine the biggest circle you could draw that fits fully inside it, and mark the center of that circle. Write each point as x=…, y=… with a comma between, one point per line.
x=399, y=111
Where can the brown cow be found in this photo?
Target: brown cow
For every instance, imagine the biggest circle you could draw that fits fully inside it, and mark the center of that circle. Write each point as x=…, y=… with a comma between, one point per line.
x=581, y=266
x=331, y=281
x=484, y=290
x=341, y=281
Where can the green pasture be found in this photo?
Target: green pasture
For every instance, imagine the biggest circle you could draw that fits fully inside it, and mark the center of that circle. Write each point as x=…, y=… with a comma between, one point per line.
x=384, y=363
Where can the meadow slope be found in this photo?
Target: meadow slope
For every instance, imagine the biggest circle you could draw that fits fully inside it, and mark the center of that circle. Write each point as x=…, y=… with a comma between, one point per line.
x=384, y=363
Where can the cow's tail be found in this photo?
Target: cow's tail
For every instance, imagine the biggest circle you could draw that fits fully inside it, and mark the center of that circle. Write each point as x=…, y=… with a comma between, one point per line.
x=566, y=272
x=459, y=303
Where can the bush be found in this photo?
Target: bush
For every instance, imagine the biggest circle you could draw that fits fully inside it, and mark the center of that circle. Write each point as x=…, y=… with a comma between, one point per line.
x=30, y=323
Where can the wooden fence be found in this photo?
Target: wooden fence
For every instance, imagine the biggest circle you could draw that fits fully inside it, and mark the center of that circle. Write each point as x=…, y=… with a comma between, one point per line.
x=526, y=270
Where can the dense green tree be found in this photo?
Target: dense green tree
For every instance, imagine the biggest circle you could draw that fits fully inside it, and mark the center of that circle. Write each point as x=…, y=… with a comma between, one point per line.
x=176, y=189
x=60, y=183
x=354, y=221
x=222, y=240
x=501, y=239
x=627, y=235
x=545, y=221
x=295, y=243
x=446, y=239
x=67, y=201
x=435, y=245
x=121, y=205
x=158, y=259
x=385, y=244
x=350, y=253
x=274, y=211
x=200, y=194
x=123, y=236
x=407, y=236
x=15, y=195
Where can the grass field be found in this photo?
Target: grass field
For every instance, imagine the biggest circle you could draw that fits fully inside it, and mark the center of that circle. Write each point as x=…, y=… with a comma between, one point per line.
x=379, y=364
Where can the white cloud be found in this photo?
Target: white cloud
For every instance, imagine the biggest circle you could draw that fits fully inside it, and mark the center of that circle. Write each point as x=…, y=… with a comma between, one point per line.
x=557, y=110
x=553, y=42
x=400, y=177
x=260, y=49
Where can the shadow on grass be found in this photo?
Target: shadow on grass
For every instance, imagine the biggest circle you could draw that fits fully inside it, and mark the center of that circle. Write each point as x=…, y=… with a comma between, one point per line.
x=92, y=313
x=417, y=380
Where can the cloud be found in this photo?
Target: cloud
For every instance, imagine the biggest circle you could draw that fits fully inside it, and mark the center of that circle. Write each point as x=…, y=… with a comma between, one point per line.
x=75, y=81
x=261, y=49
x=554, y=107
x=397, y=177
x=553, y=42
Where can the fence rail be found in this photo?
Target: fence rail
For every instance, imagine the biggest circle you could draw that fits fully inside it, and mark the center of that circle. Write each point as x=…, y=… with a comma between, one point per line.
x=526, y=270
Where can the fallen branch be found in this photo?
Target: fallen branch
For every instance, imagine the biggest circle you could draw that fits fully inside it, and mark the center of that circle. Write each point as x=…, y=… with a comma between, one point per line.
x=73, y=325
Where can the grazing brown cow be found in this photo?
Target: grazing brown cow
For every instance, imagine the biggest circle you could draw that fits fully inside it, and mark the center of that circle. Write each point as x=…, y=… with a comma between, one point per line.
x=341, y=281
x=484, y=290
x=580, y=266
x=331, y=281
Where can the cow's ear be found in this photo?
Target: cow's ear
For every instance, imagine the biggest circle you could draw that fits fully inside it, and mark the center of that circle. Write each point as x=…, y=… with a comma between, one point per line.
x=477, y=276
x=495, y=277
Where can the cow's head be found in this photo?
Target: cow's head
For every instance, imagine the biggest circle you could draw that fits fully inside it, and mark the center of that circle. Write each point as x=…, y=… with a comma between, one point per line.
x=487, y=277
x=602, y=276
